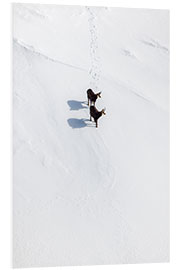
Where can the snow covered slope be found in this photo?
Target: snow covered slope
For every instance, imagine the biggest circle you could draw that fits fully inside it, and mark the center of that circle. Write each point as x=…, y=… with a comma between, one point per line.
x=84, y=195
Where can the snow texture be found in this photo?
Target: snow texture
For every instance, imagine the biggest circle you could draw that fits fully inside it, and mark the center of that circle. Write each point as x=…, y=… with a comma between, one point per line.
x=84, y=195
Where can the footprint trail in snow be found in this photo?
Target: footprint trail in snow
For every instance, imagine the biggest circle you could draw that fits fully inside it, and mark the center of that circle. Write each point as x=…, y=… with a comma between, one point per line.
x=95, y=70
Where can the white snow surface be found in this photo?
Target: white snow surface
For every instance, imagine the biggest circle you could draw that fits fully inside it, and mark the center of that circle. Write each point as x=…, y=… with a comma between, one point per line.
x=84, y=195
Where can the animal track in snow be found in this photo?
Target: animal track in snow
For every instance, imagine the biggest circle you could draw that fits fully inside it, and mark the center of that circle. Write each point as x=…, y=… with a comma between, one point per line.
x=95, y=70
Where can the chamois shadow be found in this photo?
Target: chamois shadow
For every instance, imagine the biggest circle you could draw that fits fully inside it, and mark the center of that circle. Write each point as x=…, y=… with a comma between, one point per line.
x=77, y=123
x=76, y=105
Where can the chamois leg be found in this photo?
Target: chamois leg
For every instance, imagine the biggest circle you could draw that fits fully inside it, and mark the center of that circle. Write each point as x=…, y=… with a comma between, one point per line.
x=90, y=118
x=96, y=123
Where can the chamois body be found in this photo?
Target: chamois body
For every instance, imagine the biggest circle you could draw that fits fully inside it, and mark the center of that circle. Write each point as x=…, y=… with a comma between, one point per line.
x=94, y=113
x=92, y=96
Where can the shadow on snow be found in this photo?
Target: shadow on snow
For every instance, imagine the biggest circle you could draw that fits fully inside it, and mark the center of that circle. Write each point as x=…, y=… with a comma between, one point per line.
x=76, y=105
x=78, y=123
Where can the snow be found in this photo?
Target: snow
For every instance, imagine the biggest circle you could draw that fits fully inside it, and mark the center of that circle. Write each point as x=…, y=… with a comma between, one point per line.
x=84, y=195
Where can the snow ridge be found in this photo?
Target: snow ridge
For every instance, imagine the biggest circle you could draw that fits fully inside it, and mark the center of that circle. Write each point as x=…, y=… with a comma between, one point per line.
x=33, y=50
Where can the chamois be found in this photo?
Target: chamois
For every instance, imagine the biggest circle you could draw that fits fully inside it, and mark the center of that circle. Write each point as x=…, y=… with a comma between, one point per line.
x=96, y=114
x=92, y=96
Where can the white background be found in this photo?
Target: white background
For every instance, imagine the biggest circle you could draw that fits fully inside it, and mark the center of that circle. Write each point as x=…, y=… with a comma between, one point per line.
x=5, y=138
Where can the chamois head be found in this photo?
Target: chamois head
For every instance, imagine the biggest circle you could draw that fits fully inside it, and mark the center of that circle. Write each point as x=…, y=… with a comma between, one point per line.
x=99, y=94
x=103, y=111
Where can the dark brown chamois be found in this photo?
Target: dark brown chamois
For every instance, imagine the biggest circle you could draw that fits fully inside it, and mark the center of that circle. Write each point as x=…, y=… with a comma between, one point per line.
x=92, y=96
x=96, y=114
